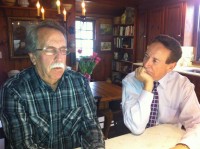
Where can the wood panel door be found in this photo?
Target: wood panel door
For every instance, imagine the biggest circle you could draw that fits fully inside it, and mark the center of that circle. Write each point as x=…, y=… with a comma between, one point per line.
x=174, y=21
x=155, y=23
x=141, y=36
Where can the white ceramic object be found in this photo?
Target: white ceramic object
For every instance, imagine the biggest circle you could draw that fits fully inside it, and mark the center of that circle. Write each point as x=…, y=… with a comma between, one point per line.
x=12, y=73
x=23, y=3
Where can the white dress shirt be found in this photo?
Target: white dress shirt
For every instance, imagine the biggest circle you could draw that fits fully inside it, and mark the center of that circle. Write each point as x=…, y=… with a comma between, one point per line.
x=178, y=104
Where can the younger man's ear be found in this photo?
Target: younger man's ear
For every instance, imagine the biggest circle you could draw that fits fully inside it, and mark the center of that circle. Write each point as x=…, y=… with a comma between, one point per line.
x=171, y=66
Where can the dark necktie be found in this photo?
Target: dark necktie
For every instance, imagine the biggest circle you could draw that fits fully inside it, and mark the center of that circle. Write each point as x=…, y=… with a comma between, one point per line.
x=154, y=106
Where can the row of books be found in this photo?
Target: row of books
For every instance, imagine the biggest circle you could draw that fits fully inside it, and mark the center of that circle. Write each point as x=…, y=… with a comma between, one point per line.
x=121, y=67
x=123, y=42
x=116, y=77
x=123, y=30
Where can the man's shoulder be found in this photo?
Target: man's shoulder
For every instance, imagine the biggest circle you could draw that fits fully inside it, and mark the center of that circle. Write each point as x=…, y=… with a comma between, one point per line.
x=177, y=78
x=130, y=76
x=73, y=74
x=18, y=79
x=130, y=79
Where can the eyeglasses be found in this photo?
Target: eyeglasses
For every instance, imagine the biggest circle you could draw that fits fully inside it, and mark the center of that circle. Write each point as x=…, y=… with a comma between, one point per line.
x=50, y=50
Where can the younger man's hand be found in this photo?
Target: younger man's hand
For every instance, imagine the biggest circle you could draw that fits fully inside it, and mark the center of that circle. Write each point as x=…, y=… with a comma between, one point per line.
x=141, y=75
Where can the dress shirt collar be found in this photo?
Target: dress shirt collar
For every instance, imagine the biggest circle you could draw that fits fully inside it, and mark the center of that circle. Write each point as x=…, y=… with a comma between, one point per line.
x=163, y=81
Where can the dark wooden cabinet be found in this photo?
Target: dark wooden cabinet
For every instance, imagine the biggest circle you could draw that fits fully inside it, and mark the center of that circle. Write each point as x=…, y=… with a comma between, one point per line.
x=196, y=81
x=155, y=23
x=174, y=19
x=150, y=24
x=141, y=36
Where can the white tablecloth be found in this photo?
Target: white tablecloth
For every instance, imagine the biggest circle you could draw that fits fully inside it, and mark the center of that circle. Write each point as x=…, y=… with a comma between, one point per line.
x=159, y=137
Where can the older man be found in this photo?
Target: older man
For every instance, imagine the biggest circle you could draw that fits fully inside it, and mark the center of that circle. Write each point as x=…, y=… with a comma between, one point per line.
x=47, y=106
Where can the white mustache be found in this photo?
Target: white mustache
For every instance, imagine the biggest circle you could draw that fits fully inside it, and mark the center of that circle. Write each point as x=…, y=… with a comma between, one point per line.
x=57, y=65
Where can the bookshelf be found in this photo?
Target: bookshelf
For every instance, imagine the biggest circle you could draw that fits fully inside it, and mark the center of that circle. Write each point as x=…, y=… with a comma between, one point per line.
x=120, y=69
x=123, y=36
x=123, y=54
x=123, y=46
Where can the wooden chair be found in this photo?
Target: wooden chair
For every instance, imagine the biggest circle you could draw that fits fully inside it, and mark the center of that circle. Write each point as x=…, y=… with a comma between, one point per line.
x=107, y=113
x=2, y=135
x=115, y=107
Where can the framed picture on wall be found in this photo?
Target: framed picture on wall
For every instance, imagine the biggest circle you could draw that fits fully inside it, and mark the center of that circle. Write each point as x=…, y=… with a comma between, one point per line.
x=105, y=29
x=105, y=46
x=17, y=33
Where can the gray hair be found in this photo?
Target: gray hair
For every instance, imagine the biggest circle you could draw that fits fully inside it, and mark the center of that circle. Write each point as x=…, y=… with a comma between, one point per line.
x=31, y=41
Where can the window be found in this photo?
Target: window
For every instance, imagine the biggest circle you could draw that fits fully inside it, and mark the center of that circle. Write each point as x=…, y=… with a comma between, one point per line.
x=84, y=37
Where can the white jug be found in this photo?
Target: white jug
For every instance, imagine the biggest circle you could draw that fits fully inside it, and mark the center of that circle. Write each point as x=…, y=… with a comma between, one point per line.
x=23, y=3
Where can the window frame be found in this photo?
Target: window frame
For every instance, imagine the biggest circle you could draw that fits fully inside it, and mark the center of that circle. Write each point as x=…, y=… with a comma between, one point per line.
x=94, y=32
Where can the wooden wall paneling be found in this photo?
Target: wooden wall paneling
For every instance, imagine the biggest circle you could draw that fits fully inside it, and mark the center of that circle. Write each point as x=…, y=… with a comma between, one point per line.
x=179, y=22
x=197, y=88
x=141, y=35
x=3, y=49
x=173, y=18
x=196, y=81
x=107, y=8
x=103, y=69
x=174, y=21
x=155, y=23
x=71, y=60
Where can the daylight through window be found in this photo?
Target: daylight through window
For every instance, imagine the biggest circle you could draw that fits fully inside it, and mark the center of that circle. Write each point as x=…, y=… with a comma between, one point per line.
x=84, y=38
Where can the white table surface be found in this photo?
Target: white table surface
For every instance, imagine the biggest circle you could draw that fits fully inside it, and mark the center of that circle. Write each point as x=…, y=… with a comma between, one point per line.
x=159, y=137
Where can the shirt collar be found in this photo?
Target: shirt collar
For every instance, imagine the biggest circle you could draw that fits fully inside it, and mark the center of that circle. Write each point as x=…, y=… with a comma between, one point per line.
x=163, y=81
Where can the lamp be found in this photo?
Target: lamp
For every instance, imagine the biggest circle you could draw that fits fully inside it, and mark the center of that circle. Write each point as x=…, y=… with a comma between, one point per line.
x=65, y=7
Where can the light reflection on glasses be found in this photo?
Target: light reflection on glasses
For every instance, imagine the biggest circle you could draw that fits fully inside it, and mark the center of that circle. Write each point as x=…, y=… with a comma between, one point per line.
x=50, y=50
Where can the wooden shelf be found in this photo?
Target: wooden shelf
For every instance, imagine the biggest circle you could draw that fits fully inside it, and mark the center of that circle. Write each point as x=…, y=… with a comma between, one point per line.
x=123, y=61
x=26, y=8
x=123, y=24
x=128, y=36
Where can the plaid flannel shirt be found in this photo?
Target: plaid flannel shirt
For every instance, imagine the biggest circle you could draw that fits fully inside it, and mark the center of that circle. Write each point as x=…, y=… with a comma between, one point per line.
x=34, y=116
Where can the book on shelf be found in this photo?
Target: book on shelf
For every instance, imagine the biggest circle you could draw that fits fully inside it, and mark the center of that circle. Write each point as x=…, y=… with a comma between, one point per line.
x=123, y=30
x=123, y=42
x=116, y=77
x=116, y=66
x=121, y=66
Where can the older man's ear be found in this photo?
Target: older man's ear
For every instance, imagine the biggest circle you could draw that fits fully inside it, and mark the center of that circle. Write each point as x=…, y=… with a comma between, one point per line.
x=32, y=58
